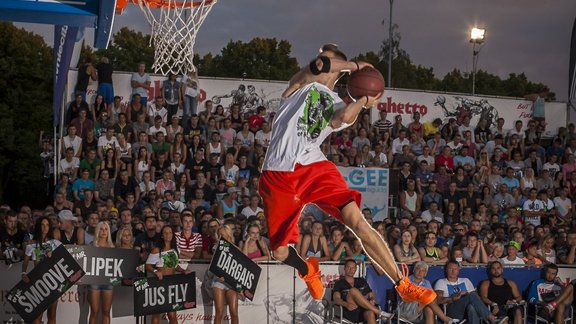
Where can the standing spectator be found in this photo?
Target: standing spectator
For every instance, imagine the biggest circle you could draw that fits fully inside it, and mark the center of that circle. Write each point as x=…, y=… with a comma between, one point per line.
x=95, y=292
x=172, y=94
x=140, y=83
x=12, y=239
x=190, y=92
x=41, y=248
x=163, y=261
x=85, y=73
x=105, y=87
x=189, y=244
x=157, y=109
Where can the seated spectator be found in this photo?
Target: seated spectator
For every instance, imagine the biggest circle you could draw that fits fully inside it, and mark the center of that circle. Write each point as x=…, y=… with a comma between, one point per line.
x=432, y=213
x=531, y=255
x=399, y=142
x=430, y=253
x=405, y=251
x=557, y=307
x=254, y=246
x=461, y=297
x=546, y=248
x=445, y=158
x=81, y=184
x=436, y=144
x=423, y=177
x=338, y=247
x=545, y=291
x=356, y=297
x=512, y=255
x=474, y=251
x=410, y=200
x=533, y=208
x=497, y=252
x=464, y=160
x=501, y=294
x=315, y=243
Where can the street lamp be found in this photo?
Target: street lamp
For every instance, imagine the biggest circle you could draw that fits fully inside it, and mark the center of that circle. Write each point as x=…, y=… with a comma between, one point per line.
x=390, y=47
x=477, y=36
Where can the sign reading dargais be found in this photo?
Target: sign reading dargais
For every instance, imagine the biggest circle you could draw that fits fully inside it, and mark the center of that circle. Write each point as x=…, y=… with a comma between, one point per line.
x=238, y=271
x=49, y=280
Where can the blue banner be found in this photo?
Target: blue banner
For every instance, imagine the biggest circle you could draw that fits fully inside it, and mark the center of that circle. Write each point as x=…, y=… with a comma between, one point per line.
x=522, y=276
x=64, y=39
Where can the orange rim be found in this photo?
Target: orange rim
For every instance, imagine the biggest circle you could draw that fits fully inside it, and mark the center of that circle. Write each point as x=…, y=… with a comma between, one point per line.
x=156, y=4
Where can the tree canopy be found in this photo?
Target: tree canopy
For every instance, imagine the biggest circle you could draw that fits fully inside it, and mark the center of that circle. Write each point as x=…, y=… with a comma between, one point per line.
x=25, y=110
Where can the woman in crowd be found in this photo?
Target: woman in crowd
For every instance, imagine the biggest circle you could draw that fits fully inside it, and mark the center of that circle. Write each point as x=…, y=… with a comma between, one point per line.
x=528, y=181
x=223, y=294
x=183, y=186
x=219, y=116
x=229, y=171
x=357, y=250
x=254, y=246
x=405, y=251
x=173, y=129
x=195, y=146
x=124, y=153
x=246, y=137
x=146, y=185
x=136, y=108
x=416, y=127
x=100, y=296
x=497, y=252
x=338, y=247
x=125, y=238
x=98, y=107
x=40, y=248
x=110, y=163
x=178, y=146
x=142, y=163
x=546, y=248
x=315, y=243
x=163, y=261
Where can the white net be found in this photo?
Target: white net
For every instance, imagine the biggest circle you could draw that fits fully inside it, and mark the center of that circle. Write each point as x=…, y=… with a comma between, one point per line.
x=173, y=32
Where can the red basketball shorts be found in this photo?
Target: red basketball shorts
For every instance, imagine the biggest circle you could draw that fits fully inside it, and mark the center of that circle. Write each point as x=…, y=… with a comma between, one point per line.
x=285, y=193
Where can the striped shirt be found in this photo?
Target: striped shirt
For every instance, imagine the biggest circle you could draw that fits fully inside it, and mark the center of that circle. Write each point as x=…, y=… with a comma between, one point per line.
x=188, y=245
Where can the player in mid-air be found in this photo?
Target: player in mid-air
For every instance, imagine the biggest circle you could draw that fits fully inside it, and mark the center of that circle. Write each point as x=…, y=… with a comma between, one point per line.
x=296, y=172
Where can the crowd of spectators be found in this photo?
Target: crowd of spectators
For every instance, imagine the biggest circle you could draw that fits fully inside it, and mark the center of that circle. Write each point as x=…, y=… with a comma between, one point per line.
x=469, y=193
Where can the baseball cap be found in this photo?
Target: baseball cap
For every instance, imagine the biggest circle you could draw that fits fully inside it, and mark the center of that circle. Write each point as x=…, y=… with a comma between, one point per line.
x=66, y=215
x=233, y=189
x=514, y=244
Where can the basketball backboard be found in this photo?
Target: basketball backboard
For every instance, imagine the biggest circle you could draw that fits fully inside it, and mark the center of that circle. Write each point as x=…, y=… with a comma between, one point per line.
x=97, y=14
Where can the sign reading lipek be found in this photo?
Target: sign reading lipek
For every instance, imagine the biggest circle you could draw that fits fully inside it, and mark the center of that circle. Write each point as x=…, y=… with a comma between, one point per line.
x=49, y=280
x=172, y=293
x=105, y=266
x=238, y=271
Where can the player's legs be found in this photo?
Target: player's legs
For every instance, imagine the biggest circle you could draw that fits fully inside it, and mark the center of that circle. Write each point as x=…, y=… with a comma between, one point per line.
x=232, y=300
x=374, y=245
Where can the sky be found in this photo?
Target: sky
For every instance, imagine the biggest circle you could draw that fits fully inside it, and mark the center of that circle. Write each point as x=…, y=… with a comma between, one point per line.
x=530, y=36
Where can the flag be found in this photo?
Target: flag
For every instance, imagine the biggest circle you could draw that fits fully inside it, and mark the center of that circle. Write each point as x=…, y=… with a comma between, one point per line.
x=64, y=39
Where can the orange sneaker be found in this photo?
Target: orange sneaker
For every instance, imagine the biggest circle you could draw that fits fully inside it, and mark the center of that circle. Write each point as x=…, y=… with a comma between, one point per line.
x=312, y=279
x=409, y=292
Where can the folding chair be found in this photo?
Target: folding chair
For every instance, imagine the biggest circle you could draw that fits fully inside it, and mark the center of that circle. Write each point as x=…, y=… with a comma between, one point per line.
x=534, y=314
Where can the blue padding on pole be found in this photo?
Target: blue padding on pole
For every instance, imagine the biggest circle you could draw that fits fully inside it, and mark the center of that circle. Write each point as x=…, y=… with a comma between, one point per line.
x=49, y=12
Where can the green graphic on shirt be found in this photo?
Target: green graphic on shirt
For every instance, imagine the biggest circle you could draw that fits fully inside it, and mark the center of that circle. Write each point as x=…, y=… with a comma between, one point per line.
x=318, y=111
x=170, y=259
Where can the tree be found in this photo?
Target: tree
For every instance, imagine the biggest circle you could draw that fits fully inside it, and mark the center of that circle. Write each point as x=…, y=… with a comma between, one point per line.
x=25, y=109
x=127, y=49
x=261, y=58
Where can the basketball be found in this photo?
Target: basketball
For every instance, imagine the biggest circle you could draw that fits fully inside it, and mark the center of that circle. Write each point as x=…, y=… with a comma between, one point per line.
x=365, y=82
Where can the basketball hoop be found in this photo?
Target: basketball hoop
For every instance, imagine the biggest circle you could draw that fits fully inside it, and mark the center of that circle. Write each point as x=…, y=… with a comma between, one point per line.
x=173, y=31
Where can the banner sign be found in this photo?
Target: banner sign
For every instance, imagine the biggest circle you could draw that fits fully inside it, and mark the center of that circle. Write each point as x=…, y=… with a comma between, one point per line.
x=445, y=106
x=49, y=280
x=372, y=183
x=572, y=69
x=64, y=40
x=105, y=266
x=238, y=270
x=172, y=293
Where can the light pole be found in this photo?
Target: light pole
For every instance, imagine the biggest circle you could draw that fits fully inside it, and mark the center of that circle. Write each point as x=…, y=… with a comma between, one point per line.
x=390, y=46
x=476, y=38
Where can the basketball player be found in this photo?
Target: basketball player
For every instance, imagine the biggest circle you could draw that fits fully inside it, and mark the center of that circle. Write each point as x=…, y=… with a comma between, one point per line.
x=295, y=172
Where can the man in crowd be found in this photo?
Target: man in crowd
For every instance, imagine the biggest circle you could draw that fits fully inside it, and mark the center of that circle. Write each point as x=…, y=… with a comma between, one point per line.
x=503, y=295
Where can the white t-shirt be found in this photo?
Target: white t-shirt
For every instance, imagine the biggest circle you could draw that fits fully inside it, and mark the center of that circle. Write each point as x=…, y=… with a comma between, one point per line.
x=397, y=145
x=68, y=167
x=263, y=138
x=247, y=211
x=536, y=205
x=518, y=260
x=106, y=143
x=562, y=205
x=300, y=126
x=162, y=112
x=451, y=288
x=75, y=143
